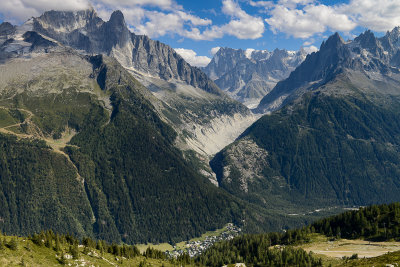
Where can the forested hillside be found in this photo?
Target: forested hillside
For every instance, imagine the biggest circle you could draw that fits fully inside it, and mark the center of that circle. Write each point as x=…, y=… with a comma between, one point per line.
x=377, y=222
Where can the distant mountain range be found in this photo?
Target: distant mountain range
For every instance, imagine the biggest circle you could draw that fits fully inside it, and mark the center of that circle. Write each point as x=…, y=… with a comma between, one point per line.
x=248, y=75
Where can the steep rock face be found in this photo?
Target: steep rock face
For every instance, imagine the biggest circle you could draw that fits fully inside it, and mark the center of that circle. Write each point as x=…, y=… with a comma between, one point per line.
x=6, y=31
x=158, y=59
x=223, y=61
x=248, y=75
x=84, y=30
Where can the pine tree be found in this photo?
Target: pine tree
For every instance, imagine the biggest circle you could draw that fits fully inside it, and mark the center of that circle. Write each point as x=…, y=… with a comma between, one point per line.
x=58, y=245
x=13, y=245
x=62, y=259
x=74, y=250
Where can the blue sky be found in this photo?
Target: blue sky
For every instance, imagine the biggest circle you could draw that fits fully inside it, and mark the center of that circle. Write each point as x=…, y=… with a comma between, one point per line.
x=195, y=28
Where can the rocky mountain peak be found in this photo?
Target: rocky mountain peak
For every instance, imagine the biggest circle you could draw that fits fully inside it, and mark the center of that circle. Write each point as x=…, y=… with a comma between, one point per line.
x=394, y=33
x=67, y=21
x=6, y=28
x=333, y=42
x=367, y=40
x=391, y=41
x=117, y=19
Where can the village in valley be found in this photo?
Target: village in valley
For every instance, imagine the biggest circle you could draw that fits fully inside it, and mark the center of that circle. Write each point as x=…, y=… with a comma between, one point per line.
x=197, y=246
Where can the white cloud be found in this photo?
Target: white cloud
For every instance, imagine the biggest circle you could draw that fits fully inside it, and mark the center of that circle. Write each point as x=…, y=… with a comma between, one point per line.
x=310, y=49
x=306, y=18
x=309, y=42
x=241, y=25
x=160, y=23
x=20, y=10
x=295, y=3
x=265, y=4
x=308, y=21
x=165, y=4
x=192, y=58
x=214, y=50
x=379, y=16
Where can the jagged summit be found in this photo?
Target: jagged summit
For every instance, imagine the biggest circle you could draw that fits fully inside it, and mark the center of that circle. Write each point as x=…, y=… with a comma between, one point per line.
x=67, y=21
x=333, y=41
x=117, y=18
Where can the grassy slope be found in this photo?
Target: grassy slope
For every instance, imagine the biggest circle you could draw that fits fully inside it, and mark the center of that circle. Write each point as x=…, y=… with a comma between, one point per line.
x=29, y=254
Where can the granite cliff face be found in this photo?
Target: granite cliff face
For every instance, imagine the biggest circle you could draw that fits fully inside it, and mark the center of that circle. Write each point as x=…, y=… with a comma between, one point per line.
x=248, y=75
x=84, y=30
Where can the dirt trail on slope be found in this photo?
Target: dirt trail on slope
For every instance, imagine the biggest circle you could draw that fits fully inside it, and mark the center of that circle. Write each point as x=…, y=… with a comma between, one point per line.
x=56, y=144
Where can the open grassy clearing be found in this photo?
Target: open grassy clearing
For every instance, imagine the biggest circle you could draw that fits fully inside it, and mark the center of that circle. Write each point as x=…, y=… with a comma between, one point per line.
x=29, y=254
x=321, y=245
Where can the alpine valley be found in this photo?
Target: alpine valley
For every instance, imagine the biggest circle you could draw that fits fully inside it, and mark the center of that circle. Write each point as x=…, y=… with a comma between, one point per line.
x=110, y=135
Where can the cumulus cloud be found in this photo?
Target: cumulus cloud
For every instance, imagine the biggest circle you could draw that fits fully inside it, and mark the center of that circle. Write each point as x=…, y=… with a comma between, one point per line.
x=379, y=16
x=21, y=10
x=241, y=24
x=310, y=49
x=306, y=18
x=309, y=42
x=214, y=50
x=165, y=4
x=265, y=4
x=159, y=23
x=295, y=3
x=308, y=21
x=192, y=58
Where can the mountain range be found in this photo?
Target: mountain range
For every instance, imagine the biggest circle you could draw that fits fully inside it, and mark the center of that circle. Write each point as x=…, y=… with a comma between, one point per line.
x=249, y=75
x=109, y=134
